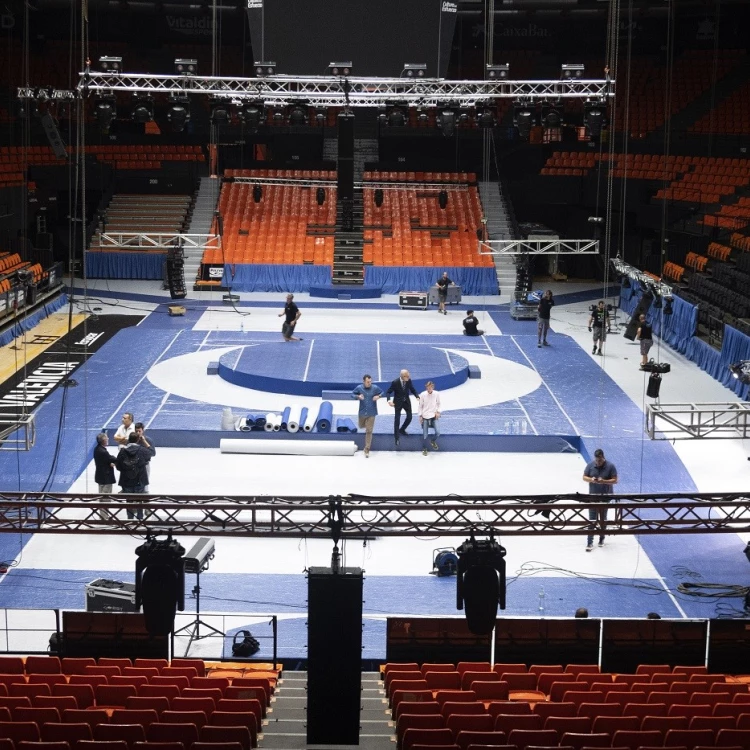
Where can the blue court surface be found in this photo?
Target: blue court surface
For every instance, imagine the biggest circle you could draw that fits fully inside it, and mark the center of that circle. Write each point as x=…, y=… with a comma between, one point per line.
x=529, y=404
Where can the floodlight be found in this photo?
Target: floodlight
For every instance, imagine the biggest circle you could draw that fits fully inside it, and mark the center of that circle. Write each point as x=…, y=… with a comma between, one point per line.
x=105, y=110
x=498, y=72
x=178, y=113
x=110, y=64
x=572, y=71
x=446, y=122
x=340, y=68
x=185, y=66
x=143, y=109
x=741, y=370
x=414, y=70
x=263, y=69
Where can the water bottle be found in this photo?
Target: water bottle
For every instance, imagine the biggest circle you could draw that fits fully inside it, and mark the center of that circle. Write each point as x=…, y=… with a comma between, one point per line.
x=242, y=325
x=541, y=599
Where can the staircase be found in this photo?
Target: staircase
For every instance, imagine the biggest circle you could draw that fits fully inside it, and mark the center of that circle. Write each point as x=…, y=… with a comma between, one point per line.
x=348, y=244
x=285, y=728
x=206, y=200
x=499, y=227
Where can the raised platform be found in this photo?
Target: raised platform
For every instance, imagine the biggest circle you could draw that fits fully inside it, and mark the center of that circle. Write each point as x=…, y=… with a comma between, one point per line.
x=307, y=368
x=331, y=291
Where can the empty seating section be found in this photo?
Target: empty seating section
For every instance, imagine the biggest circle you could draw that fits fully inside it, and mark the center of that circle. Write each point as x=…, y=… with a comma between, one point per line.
x=672, y=271
x=717, y=251
x=696, y=262
x=707, y=180
x=576, y=708
x=52, y=700
x=410, y=229
x=734, y=216
x=142, y=214
x=730, y=116
x=740, y=241
x=570, y=163
x=286, y=226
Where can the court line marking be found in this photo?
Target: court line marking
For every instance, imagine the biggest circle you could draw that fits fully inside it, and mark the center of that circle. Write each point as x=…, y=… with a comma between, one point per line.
x=143, y=377
x=450, y=364
x=158, y=408
x=309, y=357
x=554, y=398
x=377, y=349
x=205, y=341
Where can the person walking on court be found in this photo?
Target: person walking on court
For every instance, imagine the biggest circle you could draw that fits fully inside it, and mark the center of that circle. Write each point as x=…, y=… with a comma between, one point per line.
x=645, y=336
x=429, y=414
x=442, y=284
x=599, y=324
x=601, y=476
x=398, y=394
x=368, y=395
x=471, y=325
x=546, y=304
x=292, y=315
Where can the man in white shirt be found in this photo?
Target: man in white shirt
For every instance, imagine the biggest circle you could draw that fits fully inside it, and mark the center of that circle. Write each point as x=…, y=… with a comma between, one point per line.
x=123, y=431
x=429, y=413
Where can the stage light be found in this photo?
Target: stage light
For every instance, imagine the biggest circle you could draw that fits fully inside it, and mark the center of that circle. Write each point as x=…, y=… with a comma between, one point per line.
x=110, y=64
x=298, y=114
x=160, y=583
x=221, y=112
x=143, y=109
x=321, y=117
x=480, y=583
x=257, y=193
x=486, y=117
x=178, y=113
x=278, y=116
x=378, y=197
x=185, y=66
x=444, y=562
x=105, y=110
x=497, y=72
x=524, y=118
x=552, y=115
x=668, y=306
x=396, y=117
x=414, y=70
x=320, y=196
x=340, y=68
x=595, y=118
x=446, y=122
x=443, y=199
x=263, y=69
x=253, y=115
x=423, y=116
x=741, y=371
x=571, y=71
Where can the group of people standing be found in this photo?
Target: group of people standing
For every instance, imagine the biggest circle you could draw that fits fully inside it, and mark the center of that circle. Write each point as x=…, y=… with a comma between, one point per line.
x=133, y=460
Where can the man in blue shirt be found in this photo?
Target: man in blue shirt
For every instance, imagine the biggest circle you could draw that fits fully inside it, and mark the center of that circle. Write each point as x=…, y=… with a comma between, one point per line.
x=368, y=395
x=601, y=476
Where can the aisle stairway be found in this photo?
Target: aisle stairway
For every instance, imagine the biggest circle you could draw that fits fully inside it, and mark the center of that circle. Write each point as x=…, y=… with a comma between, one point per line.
x=285, y=725
x=206, y=200
x=499, y=227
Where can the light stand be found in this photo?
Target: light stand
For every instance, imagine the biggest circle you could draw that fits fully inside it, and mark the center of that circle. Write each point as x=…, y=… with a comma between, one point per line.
x=193, y=629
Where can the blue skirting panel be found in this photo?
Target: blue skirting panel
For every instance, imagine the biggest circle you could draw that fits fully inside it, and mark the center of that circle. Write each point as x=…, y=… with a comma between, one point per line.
x=126, y=265
x=260, y=277
x=27, y=322
x=355, y=292
x=395, y=279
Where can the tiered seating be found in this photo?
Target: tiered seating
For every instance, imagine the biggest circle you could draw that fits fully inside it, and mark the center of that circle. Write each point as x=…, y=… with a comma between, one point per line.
x=651, y=708
x=740, y=241
x=736, y=216
x=648, y=166
x=727, y=300
x=717, y=251
x=410, y=229
x=145, y=157
x=672, y=271
x=570, y=163
x=707, y=180
x=696, y=262
x=730, y=116
x=287, y=226
x=79, y=700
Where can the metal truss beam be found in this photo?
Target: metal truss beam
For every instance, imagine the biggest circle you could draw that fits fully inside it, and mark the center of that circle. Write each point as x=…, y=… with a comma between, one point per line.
x=156, y=241
x=539, y=247
x=327, y=91
x=625, y=269
x=432, y=187
x=698, y=420
x=367, y=518
x=17, y=432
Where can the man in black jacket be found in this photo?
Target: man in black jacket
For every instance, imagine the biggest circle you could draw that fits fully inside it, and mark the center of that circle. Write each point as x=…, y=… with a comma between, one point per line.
x=104, y=475
x=131, y=463
x=398, y=396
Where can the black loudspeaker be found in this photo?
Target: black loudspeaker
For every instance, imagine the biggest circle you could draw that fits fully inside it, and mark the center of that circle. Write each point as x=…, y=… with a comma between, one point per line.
x=345, y=180
x=334, y=656
x=378, y=197
x=257, y=193
x=53, y=136
x=443, y=199
x=175, y=271
x=643, y=306
x=320, y=196
x=654, y=384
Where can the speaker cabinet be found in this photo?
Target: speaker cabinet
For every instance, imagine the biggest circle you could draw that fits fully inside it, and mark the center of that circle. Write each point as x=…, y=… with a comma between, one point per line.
x=345, y=165
x=334, y=656
x=643, y=306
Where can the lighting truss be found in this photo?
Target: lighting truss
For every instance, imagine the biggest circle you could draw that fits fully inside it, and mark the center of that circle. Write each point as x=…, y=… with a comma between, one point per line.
x=367, y=518
x=331, y=91
x=374, y=184
x=698, y=420
x=539, y=247
x=153, y=241
x=625, y=269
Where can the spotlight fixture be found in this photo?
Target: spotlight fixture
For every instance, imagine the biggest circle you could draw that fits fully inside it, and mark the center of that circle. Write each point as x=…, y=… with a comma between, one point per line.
x=298, y=114
x=414, y=70
x=105, y=110
x=595, y=118
x=480, y=582
x=178, y=113
x=221, y=112
x=278, y=116
x=143, y=109
x=320, y=196
x=497, y=72
x=395, y=117
x=486, y=117
x=185, y=66
x=571, y=71
x=257, y=193
x=524, y=118
x=160, y=583
x=423, y=117
x=253, y=115
x=263, y=69
x=446, y=122
x=444, y=562
x=110, y=64
x=552, y=114
x=741, y=371
x=340, y=68
x=321, y=117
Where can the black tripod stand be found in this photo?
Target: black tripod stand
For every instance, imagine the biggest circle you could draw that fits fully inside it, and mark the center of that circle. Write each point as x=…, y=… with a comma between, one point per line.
x=193, y=629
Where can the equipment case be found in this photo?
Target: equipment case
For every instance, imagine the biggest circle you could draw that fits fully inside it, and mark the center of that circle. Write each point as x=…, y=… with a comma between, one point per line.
x=417, y=300
x=103, y=595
